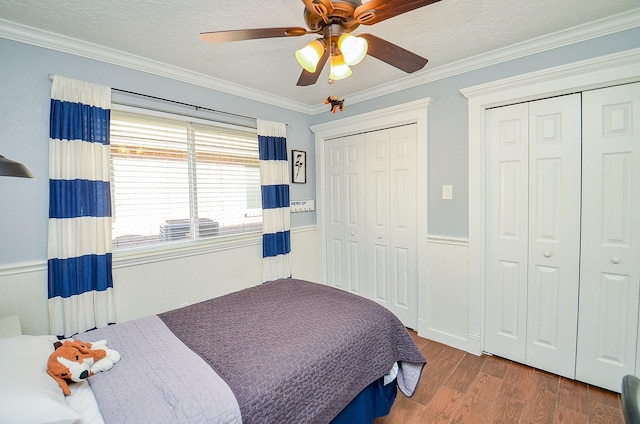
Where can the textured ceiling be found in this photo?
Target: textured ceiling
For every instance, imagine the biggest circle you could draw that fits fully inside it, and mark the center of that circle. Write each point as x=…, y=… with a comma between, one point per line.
x=167, y=31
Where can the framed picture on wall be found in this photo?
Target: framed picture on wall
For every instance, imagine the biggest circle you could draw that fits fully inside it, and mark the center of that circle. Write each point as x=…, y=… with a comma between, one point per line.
x=298, y=166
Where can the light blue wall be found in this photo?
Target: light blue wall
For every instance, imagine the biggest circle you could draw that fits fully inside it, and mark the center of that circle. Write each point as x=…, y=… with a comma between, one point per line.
x=25, y=91
x=448, y=130
x=24, y=113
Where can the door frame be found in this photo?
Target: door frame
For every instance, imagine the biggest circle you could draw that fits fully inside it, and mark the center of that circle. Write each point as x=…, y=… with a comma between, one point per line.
x=407, y=113
x=613, y=69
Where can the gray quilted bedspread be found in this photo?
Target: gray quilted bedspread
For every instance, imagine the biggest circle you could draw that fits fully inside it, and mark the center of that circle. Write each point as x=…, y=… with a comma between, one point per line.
x=294, y=351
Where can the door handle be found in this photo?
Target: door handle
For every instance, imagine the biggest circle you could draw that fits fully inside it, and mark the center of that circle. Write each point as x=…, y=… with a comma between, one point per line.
x=379, y=237
x=615, y=260
x=547, y=254
x=352, y=233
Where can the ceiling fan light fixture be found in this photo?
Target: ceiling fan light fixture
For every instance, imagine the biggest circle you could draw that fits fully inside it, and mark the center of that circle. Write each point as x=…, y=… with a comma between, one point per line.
x=338, y=69
x=354, y=49
x=309, y=56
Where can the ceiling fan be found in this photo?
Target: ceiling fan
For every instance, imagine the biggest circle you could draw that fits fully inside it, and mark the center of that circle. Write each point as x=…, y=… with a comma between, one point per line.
x=334, y=21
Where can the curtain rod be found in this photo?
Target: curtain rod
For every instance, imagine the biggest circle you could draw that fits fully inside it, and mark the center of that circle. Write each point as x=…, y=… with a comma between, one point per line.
x=196, y=107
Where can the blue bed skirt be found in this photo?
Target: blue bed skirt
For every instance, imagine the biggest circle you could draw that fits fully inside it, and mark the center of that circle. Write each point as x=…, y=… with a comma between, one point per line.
x=373, y=402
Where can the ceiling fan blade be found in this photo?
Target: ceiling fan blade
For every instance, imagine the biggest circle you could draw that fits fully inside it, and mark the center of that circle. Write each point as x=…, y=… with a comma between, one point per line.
x=252, y=34
x=309, y=78
x=376, y=11
x=394, y=55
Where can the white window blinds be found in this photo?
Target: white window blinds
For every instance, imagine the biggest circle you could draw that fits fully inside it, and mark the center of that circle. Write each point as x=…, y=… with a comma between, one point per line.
x=176, y=181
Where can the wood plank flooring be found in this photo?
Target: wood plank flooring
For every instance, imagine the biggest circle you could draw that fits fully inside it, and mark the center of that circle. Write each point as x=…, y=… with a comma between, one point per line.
x=458, y=387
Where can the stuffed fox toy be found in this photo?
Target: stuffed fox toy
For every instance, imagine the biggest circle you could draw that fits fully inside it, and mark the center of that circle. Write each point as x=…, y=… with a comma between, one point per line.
x=74, y=361
x=336, y=104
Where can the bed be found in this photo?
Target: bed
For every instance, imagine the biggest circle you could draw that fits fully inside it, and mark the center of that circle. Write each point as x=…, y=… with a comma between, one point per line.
x=287, y=351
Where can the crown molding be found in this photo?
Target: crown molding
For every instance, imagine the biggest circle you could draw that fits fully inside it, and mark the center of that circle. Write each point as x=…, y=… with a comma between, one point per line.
x=576, y=34
x=627, y=59
x=37, y=37
x=377, y=119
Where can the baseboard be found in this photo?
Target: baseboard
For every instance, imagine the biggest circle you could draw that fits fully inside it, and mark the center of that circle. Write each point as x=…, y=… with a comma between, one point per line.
x=442, y=337
x=475, y=345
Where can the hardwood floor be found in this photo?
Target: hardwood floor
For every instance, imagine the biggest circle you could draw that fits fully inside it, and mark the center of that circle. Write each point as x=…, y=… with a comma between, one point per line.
x=458, y=387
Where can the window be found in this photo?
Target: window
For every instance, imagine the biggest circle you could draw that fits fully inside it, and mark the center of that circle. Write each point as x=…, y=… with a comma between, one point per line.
x=174, y=181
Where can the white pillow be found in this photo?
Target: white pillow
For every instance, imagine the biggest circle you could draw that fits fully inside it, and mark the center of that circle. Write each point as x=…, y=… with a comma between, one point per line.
x=27, y=393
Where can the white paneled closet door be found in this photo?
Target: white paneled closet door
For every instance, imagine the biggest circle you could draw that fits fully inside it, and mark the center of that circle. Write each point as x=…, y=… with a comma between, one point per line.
x=554, y=233
x=610, y=269
x=392, y=262
x=533, y=232
x=507, y=231
x=345, y=213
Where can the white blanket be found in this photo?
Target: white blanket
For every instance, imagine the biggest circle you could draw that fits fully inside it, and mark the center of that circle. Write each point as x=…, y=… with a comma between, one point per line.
x=148, y=349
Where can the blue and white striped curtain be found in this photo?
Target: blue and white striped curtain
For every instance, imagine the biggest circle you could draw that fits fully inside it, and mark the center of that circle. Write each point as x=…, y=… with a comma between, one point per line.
x=80, y=281
x=274, y=178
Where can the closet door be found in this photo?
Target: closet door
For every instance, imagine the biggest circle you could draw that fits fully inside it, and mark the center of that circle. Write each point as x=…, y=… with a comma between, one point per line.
x=403, y=219
x=533, y=232
x=610, y=269
x=345, y=213
x=507, y=231
x=554, y=234
x=392, y=220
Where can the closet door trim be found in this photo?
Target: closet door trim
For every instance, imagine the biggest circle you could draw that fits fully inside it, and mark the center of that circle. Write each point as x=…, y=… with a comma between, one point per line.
x=407, y=113
x=614, y=69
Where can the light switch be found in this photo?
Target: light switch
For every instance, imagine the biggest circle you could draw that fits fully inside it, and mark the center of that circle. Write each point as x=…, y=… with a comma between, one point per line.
x=447, y=192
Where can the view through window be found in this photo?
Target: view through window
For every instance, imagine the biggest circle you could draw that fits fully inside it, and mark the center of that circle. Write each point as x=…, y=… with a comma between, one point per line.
x=174, y=181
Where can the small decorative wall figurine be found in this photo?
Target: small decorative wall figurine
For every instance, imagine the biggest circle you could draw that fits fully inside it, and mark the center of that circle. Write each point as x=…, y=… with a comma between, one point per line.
x=335, y=103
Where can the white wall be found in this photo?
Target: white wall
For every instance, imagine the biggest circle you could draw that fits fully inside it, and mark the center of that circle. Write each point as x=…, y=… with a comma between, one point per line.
x=447, y=313
x=151, y=285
